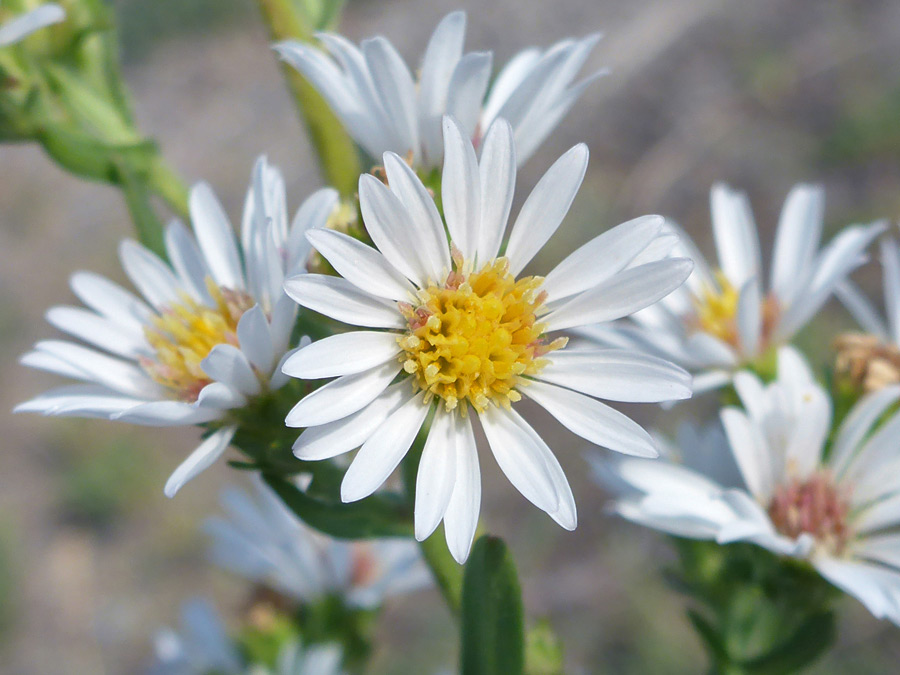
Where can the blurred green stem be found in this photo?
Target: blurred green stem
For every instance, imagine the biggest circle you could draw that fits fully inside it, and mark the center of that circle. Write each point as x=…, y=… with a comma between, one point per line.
x=337, y=154
x=168, y=185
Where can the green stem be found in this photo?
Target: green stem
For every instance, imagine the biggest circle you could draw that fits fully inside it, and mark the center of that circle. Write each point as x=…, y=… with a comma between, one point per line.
x=163, y=181
x=338, y=158
x=146, y=222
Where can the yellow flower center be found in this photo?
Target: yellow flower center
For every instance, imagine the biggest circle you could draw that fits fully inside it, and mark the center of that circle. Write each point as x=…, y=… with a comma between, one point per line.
x=475, y=337
x=716, y=309
x=184, y=334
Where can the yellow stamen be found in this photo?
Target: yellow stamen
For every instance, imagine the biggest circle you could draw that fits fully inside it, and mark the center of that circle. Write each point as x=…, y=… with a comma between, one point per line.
x=184, y=334
x=475, y=337
x=716, y=309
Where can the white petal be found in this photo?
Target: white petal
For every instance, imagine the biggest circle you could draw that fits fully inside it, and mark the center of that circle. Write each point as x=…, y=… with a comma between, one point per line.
x=441, y=56
x=167, y=414
x=392, y=229
x=890, y=263
x=150, y=275
x=750, y=452
x=602, y=257
x=429, y=236
x=200, y=459
x=313, y=213
x=467, y=89
x=437, y=473
x=86, y=364
x=497, y=173
x=341, y=300
x=216, y=238
x=749, y=317
x=21, y=26
x=861, y=308
x=592, y=420
x=873, y=586
x=737, y=243
x=220, y=396
x=807, y=439
x=342, y=397
x=617, y=375
x=622, y=294
x=329, y=440
x=461, y=516
x=520, y=457
x=382, y=452
x=396, y=91
x=858, y=423
x=110, y=300
x=78, y=400
x=99, y=331
x=832, y=265
x=363, y=266
x=508, y=80
x=461, y=189
x=227, y=364
x=797, y=238
x=187, y=260
x=255, y=339
x=342, y=354
x=545, y=208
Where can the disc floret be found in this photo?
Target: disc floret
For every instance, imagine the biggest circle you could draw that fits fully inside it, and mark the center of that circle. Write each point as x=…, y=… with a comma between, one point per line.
x=185, y=333
x=476, y=337
x=817, y=506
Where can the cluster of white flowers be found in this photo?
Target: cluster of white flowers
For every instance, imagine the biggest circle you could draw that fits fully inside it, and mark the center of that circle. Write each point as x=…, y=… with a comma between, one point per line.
x=449, y=335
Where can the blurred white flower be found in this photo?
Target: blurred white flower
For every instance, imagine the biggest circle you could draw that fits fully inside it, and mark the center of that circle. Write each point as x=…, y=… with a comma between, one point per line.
x=20, y=27
x=212, y=333
x=262, y=540
x=463, y=330
x=386, y=108
x=839, y=509
x=200, y=647
x=723, y=318
x=294, y=659
x=873, y=360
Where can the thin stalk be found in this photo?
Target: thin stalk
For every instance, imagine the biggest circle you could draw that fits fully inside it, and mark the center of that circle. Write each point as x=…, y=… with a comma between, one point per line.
x=164, y=182
x=338, y=158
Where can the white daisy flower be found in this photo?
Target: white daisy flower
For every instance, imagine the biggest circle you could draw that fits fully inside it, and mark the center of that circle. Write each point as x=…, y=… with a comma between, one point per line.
x=386, y=108
x=723, y=318
x=837, y=507
x=263, y=541
x=454, y=325
x=17, y=29
x=872, y=360
x=210, y=333
x=201, y=646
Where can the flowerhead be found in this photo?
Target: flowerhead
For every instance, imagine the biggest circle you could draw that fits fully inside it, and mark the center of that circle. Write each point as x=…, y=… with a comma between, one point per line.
x=209, y=333
x=261, y=540
x=725, y=317
x=835, y=505
x=386, y=108
x=455, y=331
x=871, y=360
x=18, y=28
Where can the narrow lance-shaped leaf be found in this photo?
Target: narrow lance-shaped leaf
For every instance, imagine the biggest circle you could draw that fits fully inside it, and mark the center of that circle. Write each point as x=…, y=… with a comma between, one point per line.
x=493, y=641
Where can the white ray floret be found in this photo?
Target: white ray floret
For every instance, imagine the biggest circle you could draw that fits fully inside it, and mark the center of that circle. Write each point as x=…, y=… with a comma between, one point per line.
x=385, y=107
x=838, y=510
x=210, y=332
x=262, y=540
x=725, y=317
x=18, y=28
x=452, y=334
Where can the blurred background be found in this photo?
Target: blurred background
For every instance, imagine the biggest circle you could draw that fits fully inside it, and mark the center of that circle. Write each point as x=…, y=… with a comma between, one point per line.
x=93, y=557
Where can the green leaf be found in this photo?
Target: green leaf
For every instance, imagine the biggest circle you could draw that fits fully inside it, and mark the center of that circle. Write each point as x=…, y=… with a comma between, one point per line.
x=807, y=644
x=493, y=641
x=381, y=515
